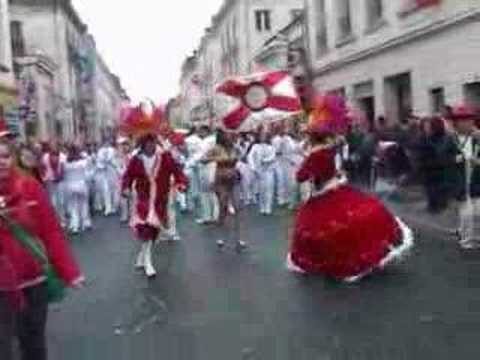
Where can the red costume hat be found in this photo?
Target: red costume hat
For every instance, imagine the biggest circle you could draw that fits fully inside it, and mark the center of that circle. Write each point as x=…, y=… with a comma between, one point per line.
x=137, y=123
x=329, y=116
x=463, y=112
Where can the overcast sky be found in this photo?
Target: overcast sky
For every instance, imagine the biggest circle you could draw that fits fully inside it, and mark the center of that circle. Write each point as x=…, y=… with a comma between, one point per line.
x=146, y=41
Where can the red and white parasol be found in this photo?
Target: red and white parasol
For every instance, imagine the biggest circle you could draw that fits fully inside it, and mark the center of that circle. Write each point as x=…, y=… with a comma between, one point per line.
x=244, y=103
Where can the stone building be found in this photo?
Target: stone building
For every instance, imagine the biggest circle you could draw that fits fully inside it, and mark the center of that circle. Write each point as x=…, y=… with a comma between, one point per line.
x=56, y=62
x=228, y=47
x=274, y=53
x=8, y=91
x=109, y=97
x=390, y=57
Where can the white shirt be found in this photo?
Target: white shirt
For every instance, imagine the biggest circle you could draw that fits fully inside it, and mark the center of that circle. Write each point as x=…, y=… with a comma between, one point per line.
x=76, y=176
x=148, y=162
x=261, y=157
x=106, y=158
x=49, y=173
x=466, y=146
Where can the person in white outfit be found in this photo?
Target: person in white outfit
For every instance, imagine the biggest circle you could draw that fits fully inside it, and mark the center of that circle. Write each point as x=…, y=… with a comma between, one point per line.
x=209, y=207
x=193, y=144
x=282, y=166
x=123, y=156
x=262, y=158
x=108, y=178
x=467, y=175
x=76, y=191
x=53, y=162
x=247, y=190
x=296, y=154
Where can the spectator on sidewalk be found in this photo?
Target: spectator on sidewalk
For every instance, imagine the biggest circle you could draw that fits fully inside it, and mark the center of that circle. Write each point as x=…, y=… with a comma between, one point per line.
x=467, y=174
x=362, y=143
x=437, y=153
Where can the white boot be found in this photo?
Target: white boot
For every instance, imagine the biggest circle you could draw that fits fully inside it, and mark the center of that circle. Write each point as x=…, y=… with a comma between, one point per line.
x=149, y=269
x=140, y=263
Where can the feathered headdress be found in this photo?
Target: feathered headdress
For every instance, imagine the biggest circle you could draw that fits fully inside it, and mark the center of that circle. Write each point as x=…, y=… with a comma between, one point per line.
x=138, y=123
x=329, y=116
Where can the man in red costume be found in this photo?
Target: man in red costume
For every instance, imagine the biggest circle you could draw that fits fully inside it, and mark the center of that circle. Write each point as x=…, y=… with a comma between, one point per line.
x=148, y=176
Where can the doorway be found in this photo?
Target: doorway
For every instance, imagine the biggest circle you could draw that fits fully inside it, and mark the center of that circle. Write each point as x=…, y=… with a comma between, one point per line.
x=398, y=97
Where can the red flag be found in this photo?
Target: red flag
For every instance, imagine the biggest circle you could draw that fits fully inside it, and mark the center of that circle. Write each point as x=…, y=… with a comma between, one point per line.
x=424, y=3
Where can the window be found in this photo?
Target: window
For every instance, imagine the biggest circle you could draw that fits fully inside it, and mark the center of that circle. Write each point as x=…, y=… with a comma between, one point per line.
x=321, y=21
x=18, y=43
x=374, y=11
x=295, y=13
x=437, y=97
x=263, y=20
x=471, y=94
x=344, y=19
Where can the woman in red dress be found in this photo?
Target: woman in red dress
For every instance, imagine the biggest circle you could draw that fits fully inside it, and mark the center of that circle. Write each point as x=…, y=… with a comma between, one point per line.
x=340, y=232
x=23, y=281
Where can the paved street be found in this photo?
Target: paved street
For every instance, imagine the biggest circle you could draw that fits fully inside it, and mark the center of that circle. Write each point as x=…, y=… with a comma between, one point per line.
x=206, y=305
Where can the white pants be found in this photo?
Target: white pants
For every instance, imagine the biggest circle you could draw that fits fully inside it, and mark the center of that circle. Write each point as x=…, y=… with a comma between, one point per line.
x=78, y=211
x=193, y=193
x=209, y=207
x=282, y=182
x=109, y=193
x=266, y=184
x=171, y=232
x=181, y=200
x=56, y=193
x=124, y=209
x=467, y=212
x=247, y=190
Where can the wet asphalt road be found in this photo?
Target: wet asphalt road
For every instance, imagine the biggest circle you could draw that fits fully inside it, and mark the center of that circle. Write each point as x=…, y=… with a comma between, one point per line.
x=211, y=305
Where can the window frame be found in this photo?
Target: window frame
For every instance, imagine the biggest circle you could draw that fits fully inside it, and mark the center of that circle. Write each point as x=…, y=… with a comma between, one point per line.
x=343, y=12
x=263, y=20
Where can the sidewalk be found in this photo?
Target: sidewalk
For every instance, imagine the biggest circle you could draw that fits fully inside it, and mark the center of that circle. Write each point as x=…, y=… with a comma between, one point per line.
x=410, y=205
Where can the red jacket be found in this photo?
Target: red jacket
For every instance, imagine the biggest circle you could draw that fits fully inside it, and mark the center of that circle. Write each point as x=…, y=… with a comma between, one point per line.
x=152, y=189
x=40, y=220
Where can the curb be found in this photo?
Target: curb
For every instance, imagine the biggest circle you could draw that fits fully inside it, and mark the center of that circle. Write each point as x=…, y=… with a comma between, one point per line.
x=418, y=220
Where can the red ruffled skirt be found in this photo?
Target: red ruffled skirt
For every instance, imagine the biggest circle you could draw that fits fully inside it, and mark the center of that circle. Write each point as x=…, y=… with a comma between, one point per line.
x=343, y=234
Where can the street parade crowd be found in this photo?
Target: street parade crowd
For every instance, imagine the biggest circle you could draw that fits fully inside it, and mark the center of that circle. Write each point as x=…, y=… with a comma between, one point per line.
x=150, y=174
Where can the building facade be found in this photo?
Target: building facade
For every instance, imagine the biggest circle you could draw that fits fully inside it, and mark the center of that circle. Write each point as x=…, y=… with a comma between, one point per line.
x=237, y=32
x=109, y=99
x=8, y=90
x=56, y=65
x=391, y=57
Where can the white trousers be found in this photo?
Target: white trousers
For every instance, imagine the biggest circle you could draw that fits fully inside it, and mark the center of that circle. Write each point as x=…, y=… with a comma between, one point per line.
x=56, y=193
x=282, y=182
x=467, y=212
x=78, y=211
x=124, y=209
x=247, y=185
x=209, y=206
x=109, y=193
x=193, y=193
x=266, y=185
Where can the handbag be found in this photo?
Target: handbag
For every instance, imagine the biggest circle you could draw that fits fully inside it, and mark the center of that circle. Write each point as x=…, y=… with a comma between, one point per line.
x=56, y=289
